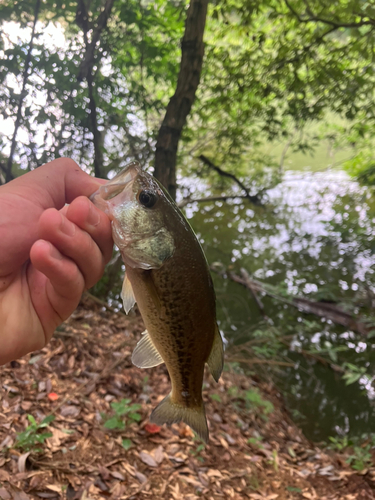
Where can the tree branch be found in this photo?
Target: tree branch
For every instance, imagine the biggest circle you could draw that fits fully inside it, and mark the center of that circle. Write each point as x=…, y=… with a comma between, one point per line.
x=254, y=199
x=101, y=24
x=8, y=173
x=186, y=201
x=335, y=25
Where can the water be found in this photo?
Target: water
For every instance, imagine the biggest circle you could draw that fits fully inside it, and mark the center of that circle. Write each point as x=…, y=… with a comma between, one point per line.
x=313, y=238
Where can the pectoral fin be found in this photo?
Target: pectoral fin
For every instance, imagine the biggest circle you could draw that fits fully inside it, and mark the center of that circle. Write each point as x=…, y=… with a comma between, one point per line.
x=216, y=358
x=145, y=355
x=127, y=294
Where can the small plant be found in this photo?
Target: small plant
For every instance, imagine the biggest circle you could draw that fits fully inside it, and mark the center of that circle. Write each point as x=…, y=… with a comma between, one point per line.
x=215, y=397
x=353, y=373
x=124, y=413
x=274, y=461
x=195, y=452
x=361, y=457
x=256, y=442
x=339, y=443
x=254, y=399
x=32, y=436
x=127, y=444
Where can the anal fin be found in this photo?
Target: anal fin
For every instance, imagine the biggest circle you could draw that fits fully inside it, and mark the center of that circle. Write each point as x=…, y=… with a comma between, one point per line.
x=145, y=354
x=127, y=294
x=216, y=358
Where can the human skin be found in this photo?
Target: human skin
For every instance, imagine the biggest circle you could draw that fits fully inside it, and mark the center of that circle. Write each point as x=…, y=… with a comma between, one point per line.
x=50, y=252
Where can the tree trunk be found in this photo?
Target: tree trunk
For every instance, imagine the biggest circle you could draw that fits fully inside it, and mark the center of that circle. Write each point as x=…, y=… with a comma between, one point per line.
x=86, y=72
x=192, y=51
x=25, y=76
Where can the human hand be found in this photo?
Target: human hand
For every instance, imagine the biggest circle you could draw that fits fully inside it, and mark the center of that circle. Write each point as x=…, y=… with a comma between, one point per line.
x=49, y=252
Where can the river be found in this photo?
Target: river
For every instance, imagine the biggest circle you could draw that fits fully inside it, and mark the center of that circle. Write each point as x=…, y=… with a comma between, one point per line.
x=313, y=238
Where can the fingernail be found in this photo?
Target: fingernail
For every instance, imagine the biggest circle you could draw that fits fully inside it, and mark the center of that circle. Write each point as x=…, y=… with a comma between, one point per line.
x=93, y=217
x=54, y=253
x=67, y=227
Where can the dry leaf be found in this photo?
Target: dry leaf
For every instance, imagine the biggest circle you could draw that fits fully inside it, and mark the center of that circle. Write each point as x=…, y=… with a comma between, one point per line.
x=53, y=487
x=117, y=475
x=158, y=454
x=19, y=495
x=141, y=477
x=85, y=496
x=4, y=494
x=21, y=464
x=70, y=411
x=54, y=442
x=4, y=475
x=147, y=459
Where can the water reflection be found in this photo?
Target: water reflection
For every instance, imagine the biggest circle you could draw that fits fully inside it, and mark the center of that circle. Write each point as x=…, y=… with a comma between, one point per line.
x=313, y=238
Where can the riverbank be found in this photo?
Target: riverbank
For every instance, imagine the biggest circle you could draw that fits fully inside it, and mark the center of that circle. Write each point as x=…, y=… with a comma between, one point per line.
x=255, y=451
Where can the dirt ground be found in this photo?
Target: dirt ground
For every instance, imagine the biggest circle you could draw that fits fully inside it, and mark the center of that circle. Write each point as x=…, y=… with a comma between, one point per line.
x=255, y=451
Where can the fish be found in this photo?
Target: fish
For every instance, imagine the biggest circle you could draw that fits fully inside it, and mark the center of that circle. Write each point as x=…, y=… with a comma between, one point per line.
x=167, y=275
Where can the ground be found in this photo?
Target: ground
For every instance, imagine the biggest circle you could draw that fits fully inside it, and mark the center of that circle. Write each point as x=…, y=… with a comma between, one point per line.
x=99, y=451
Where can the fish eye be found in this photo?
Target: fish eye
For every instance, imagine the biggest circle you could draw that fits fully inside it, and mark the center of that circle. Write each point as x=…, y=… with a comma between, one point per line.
x=147, y=198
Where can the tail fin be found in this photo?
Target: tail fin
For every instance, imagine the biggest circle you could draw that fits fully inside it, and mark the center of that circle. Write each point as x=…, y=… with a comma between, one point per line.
x=169, y=413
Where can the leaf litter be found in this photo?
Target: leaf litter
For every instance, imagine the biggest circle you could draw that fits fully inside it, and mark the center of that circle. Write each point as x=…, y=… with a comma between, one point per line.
x=252, y=453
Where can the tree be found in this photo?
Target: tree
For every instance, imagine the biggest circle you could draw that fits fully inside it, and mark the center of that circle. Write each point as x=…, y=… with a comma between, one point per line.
x=119, y=86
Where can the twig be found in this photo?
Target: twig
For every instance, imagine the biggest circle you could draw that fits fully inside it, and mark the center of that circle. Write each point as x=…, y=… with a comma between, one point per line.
x=257, y=361
x=102, y=303
x=318, y=358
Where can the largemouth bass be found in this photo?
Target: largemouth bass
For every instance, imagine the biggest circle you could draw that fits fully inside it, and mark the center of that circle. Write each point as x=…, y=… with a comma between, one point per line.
x=168, y=276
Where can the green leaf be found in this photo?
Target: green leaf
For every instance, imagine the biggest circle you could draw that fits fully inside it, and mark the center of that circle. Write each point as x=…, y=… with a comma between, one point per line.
x=127, y=443
x=114, y=423
x=135, y=416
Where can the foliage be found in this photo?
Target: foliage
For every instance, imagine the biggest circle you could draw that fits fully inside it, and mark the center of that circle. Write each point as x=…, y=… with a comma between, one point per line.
x=353, y=373
x=251, y=400
x=339, y=443
x=124, y=413
x=256, y=441
x=361, y=457
x=33, y=435
x=270, y=68
x=360, y=449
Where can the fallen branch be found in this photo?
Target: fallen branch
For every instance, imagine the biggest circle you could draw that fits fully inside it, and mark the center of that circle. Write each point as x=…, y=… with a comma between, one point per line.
x=321, y=309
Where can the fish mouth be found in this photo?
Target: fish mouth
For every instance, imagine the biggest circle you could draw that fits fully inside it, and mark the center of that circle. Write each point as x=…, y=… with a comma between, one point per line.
x=115, y=186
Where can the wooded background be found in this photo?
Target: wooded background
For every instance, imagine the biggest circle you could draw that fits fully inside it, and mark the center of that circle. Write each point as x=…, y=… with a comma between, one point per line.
x=106, y=82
